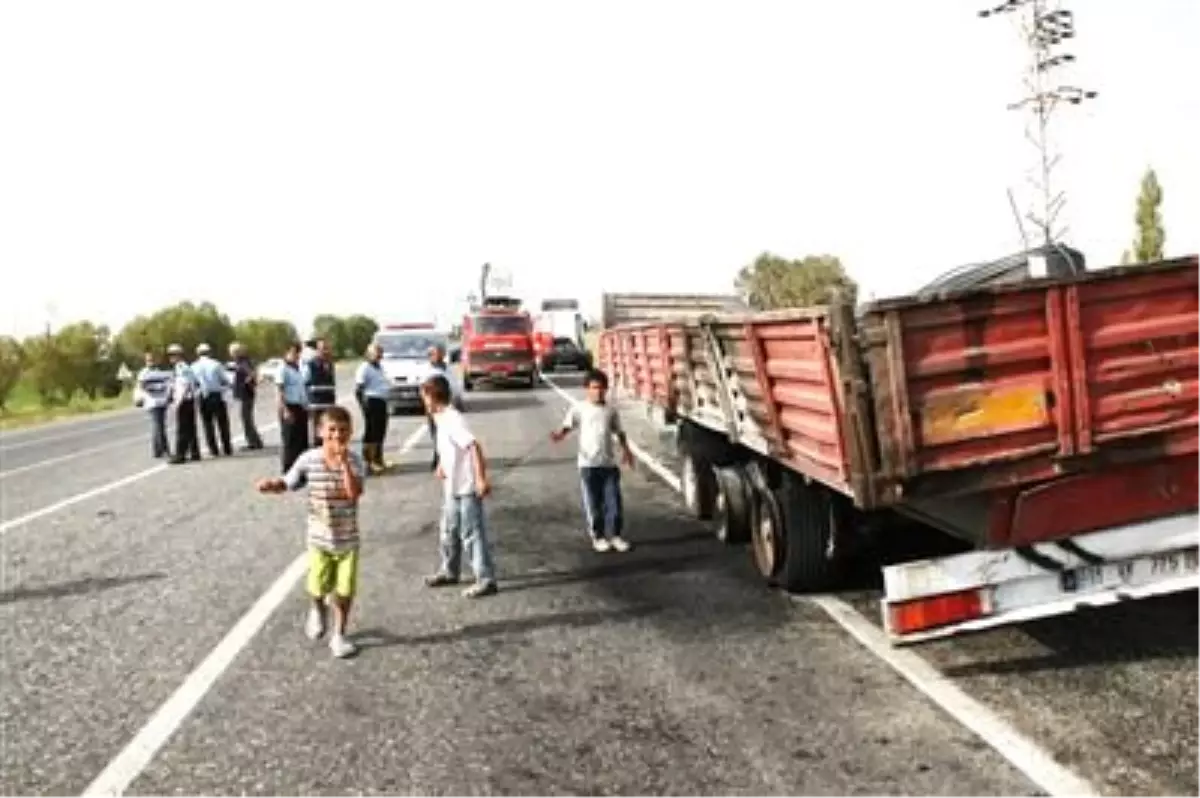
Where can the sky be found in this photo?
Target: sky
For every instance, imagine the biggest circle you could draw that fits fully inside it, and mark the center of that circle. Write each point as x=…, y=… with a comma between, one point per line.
x=284, y=159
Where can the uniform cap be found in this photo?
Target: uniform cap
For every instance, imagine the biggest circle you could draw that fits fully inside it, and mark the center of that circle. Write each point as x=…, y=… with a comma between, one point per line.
x=203, y=349
x=174, y=349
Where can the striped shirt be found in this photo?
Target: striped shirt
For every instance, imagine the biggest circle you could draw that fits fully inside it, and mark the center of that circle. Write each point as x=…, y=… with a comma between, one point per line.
x=371, y=379
x=332, y=515
x=154, y=387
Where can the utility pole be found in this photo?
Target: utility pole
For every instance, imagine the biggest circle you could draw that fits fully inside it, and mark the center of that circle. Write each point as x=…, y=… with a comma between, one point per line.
x=1044, y=26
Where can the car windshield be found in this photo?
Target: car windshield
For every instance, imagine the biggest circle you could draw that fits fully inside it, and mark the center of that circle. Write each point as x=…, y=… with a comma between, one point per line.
x=500, y=325
x=409, y=345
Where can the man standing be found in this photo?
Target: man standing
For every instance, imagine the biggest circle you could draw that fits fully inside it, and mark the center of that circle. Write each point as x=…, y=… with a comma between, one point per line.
x=293, y=409
x=245, y=391
x=322, y=389
x=210, y=374
x=371, y=388
x=153, y=393
x=183, y=399
x=438, y=367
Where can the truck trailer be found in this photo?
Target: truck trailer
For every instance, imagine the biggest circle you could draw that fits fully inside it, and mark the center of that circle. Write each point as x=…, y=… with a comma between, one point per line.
x=1050, y=424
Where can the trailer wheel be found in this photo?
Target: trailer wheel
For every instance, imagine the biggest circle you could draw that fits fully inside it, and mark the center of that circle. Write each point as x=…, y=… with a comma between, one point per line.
x=699, y=486
x=767, y=541
x=734, y=508
x=812, y=521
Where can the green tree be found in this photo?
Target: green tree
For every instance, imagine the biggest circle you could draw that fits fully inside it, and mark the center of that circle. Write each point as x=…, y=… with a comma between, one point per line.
x=187, y=324
x=46, y=368
x=1150, y=240
x=265, y=338
x=359, y=331
x=12, y=363
x=333, y=329
x=81, y=357
x=772, y=282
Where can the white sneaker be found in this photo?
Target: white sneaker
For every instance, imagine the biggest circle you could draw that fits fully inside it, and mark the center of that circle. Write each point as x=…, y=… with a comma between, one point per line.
x=341, y=647
x=600, y=544
x=620, y=544
x=314, y=627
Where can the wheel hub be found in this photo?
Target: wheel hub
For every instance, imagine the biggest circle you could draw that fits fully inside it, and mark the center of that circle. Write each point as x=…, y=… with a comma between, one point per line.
x=765, y=553
x=689, y=483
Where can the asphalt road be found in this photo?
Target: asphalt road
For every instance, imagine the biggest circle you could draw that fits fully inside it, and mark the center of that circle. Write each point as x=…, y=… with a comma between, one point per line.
x=664, y=670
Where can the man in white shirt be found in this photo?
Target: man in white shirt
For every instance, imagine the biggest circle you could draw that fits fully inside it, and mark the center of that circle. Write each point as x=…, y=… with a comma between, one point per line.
x=213, y=380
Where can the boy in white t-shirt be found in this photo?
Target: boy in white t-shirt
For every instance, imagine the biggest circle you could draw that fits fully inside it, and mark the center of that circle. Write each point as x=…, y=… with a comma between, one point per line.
x=463, y=471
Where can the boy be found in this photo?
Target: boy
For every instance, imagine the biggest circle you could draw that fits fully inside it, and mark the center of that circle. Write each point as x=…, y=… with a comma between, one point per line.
x=598, y=423
x=463, y=471
x=334, y=476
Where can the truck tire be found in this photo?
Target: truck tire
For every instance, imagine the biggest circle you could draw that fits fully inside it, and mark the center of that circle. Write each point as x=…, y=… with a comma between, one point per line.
x=699, y=486
x=768, y=546
x=811, y=520
x=734, y=509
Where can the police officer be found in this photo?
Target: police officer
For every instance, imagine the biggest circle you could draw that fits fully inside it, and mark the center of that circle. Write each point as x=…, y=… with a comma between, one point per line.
x=184, y=389
x=293, y=408
x=371, y=388
x=153, y=393
x=210, y=373
x=245, y=391
x=322, y=390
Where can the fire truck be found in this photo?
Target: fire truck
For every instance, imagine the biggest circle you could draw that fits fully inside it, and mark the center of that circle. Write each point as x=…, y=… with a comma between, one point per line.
x=497, y=345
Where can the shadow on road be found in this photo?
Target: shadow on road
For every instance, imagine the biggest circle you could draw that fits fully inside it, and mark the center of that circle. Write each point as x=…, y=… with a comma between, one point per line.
x=381, y=638
x=617, y=568
x=77, y=587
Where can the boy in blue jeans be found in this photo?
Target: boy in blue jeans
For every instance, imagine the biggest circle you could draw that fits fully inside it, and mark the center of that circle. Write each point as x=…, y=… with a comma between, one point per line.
x=600, y=478
x=463, y=470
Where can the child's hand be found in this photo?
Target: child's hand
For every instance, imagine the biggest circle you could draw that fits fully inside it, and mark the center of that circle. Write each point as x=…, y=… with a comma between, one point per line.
x=558, y=434
x=274, y=485
x=440, y=472
x=627, y=457
x=483, y=488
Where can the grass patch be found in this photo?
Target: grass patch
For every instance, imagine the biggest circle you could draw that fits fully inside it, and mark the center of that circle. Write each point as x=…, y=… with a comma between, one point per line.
x=24, y=407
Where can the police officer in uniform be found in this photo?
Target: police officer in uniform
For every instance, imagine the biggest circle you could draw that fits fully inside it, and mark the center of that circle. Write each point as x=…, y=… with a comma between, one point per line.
x=183, y=398
x=245, y=390
x=371, y=388
x=322, y=391
x=212, y=379
x=153, y=393
x=293, y=409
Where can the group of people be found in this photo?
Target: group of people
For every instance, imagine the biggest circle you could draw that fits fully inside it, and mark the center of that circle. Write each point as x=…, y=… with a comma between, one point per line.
x=180, y=390
x=334, y=475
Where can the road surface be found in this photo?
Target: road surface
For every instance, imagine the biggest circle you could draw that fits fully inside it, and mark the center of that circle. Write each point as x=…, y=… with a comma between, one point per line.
x=150, y=623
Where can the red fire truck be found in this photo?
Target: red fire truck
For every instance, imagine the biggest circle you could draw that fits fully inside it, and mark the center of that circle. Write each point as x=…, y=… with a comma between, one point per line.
x=497, y=345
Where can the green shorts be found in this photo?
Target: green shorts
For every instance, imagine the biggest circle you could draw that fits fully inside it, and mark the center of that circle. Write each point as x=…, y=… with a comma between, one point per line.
x=332, y=572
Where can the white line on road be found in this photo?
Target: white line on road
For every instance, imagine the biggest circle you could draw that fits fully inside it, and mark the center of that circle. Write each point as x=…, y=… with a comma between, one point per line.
x=62, y=458
x=12, y=447
x=1024, y=754
x=141, y=750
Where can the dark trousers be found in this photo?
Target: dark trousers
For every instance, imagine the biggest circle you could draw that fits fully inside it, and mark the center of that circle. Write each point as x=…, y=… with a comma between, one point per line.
x=186, y=441
x=602, y=500
x=294, y=434
x=158, y=432
x=375, y=418
x=433, y=441
x=212, y=408
x=249, y=428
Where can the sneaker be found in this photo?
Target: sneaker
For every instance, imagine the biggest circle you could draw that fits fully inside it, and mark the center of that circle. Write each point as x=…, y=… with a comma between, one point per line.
x=481, y=589
x=619, y=543
x=600, y=544
x=440, y=580
x=341, y=647
x=314, y=627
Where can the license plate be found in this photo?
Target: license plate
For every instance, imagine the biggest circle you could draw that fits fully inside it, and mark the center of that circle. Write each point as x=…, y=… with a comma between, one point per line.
x=499, y=370
x=1131, y=572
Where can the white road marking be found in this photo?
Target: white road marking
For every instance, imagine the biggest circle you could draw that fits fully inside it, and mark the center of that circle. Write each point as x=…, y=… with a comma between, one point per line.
x=12, y=447
x=1025, y=755
x=124, y=769
x=62, y=458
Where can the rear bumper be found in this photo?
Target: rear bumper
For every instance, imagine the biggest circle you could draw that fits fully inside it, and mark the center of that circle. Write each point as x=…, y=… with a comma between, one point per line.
x=500, y=373
x=554, y=360
x=404, y=397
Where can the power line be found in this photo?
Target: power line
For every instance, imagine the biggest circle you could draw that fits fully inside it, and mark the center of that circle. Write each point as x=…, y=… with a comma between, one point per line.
x=1045, y=26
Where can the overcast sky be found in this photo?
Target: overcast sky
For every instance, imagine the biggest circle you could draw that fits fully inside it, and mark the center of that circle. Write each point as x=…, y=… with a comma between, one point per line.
x=158, y=151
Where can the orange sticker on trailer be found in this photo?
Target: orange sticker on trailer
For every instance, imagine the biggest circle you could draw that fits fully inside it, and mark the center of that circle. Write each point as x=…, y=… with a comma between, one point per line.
x=978, y=412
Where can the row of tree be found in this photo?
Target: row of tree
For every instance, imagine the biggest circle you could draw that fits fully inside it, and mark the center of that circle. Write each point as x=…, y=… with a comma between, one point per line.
x=85, y=359
x=774, y=282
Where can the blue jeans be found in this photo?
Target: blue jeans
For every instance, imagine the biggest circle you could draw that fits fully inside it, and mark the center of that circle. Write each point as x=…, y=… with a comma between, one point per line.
x=602, y=500
x=464, y=526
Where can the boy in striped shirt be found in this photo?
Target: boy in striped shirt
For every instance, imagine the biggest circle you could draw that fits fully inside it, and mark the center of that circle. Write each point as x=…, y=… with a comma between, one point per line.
x=334, y=476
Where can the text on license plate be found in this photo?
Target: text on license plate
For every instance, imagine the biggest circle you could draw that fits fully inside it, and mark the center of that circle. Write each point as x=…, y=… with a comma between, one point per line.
x=1131, y=572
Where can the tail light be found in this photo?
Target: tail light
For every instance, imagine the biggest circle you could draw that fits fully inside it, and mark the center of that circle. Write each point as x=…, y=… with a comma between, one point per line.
x=922, y=614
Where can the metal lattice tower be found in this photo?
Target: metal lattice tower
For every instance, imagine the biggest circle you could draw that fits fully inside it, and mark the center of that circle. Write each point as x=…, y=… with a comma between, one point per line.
x=1044, y=26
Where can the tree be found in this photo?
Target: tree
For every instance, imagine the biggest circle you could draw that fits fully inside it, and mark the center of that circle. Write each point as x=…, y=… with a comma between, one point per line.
x=333, y=330
x=359, y=331
x=186, y=324
x=1150, y=239
x=12, y=363
x=773, y=282
x=45, y=367
x=81, y=359
x=265, y=338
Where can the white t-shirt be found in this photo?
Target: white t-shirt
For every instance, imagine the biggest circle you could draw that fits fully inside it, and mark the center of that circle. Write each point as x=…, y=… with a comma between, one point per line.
x=597, y=424
x=454, y=443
